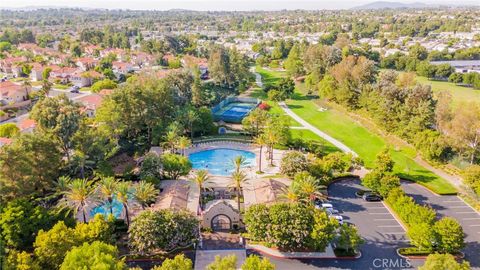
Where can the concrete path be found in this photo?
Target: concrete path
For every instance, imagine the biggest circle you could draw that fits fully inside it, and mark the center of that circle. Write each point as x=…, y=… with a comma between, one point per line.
x=205, y=257
x=315, y=130
x=453, y=179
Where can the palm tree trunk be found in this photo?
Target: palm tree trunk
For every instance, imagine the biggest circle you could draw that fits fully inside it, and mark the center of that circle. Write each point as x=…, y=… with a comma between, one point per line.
x=260, y=159
x=83, y=212
x=110, y=200
x=238, y=199
x=126, y=214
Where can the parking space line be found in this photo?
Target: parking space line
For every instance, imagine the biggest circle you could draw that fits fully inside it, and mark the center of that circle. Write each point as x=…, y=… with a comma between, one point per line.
x=389, y=226
x=474, y=225
x=460, y=198
x=475, y=218
x=376, y=207
x=394, y=232
x=465, y=212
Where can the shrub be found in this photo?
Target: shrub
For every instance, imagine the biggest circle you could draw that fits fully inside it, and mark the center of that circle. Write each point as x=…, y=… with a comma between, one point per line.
x=254, y=262
x=162, y=230
x=103, y=84
x=9, y=130
x=264, y=106
x=293, y=162
x=422, y=236
x=471, y=177
x=180, y=262
x=443, y=261
x=223, y=263
x=93, y=256
x=450, y=236
x=290, y=226
x=175, y=166
x=151, y=167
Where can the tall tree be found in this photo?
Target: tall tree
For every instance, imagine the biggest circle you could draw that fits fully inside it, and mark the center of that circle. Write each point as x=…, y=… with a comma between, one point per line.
x=201, y=178
x=78, y=196
x=144, y=193
x=61, y=117
x=29, y=165
x=123, y=192
x=238, y=179
x=465, y=128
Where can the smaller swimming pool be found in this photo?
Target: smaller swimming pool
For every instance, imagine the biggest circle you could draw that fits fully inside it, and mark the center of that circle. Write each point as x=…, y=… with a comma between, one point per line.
x=219, y=161
x=104, y=209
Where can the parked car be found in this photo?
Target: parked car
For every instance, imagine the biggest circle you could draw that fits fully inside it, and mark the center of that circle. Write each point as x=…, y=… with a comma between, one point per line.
x=372, y=197
x=331, y=211
x=338, y=218
x=75, y=89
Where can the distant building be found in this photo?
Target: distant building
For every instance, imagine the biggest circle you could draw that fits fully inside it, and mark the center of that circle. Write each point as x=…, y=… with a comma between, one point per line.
x=462, y=66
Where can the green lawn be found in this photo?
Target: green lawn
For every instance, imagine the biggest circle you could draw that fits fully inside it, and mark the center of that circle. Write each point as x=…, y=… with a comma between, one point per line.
x=459, y=93
x=309, y=136
x=270, y=76
x=366, y=144
x=275, y=109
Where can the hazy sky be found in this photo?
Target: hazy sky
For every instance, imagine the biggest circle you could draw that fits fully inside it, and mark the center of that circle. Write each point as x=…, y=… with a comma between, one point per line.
x=212, y=4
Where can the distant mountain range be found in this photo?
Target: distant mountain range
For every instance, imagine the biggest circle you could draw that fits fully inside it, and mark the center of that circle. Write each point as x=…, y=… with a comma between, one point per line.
x=391, y=5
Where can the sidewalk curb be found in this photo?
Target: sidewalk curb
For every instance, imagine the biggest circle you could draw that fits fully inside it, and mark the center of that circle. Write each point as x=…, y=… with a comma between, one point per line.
x=306, y=257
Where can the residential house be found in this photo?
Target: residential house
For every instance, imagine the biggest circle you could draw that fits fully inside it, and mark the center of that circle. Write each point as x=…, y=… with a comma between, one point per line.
x=8, y=63
x=90, y=104
x=86, y=78
x=11, y=93
x=86, y=63
x=121, y=68
x=63, y=75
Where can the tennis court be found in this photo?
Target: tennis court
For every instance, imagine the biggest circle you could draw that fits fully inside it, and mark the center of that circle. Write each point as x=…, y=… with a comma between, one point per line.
x=234, y=111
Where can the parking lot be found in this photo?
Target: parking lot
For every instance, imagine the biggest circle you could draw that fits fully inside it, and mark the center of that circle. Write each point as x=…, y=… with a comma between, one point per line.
x=452, y=206
x=381, y=232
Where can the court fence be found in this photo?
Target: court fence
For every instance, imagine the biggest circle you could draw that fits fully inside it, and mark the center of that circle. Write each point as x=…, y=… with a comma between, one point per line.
x=219, y=114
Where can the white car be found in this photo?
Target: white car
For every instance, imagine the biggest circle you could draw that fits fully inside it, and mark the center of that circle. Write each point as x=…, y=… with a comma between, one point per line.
x=331, y=211
x=338, y=218
x=327, y=205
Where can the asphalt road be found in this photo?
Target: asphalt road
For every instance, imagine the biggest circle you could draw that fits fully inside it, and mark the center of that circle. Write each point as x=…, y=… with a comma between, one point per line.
x=452, y=206
x=381, y=232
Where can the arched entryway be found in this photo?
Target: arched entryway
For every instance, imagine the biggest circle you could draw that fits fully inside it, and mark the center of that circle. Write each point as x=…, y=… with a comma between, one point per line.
x=221, y=223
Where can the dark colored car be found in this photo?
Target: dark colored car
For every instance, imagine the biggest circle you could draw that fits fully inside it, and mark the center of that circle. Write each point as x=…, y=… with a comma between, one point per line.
x=372, y=197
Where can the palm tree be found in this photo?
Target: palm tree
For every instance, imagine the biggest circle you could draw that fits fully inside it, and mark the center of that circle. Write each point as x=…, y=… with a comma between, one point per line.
x=309, y=189
x=291, y=194
x=77, y=195
x=201, y=178
x=238, y=162
x=238, y=178
x=145, y=193
x=107, y=187
x=171, y=140
x=192, y=116
x=260, y=140
x=123, y=191
x=183, y=143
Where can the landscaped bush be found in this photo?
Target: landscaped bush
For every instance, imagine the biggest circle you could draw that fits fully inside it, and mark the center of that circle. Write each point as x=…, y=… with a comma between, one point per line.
x=293, y=162
x=175, y=166
x=471, y=177
x=290, y=226
x=163, y=230
x=427, y=235
x=91, y=256
x=443, y=261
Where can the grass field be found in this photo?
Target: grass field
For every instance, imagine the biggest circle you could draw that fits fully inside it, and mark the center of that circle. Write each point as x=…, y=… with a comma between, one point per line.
x=367, y=144
x=309, y=136
x=270, y=76
x=364, y=142
x=459, y=93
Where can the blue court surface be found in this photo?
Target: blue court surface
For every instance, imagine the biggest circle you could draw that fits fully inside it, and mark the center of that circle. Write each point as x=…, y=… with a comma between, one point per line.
x=234, y=112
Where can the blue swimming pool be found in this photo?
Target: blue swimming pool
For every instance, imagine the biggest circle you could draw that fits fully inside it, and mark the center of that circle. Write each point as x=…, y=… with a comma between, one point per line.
x=219, y=161
x=104, y=209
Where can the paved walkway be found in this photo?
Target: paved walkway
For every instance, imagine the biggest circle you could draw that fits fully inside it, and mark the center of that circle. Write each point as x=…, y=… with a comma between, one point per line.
x=205, y=257
x=328, y=254
x=315, y=130
x=453, y=179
